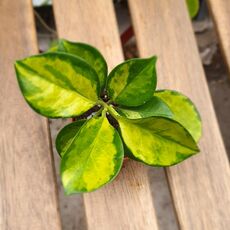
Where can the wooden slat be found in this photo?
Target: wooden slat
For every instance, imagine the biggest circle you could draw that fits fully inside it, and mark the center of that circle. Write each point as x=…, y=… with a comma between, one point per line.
x=125, y=203
x=28, y=198
x=221, y=15
x=201, y=185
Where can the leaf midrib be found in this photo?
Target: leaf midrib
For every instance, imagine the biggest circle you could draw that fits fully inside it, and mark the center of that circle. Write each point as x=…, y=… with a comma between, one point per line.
x=163, y=137
x=51, y=82
x=88, y=157
x=139, y=72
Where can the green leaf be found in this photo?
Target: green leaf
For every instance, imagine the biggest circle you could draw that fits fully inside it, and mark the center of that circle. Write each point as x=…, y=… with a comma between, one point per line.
x=88, y=53
x=66, y=135
x=93, y=158
x=132, y=83
x=57, y=84
x=193, y=7
x=184, y=111
x=154, y=107
x=157, y=141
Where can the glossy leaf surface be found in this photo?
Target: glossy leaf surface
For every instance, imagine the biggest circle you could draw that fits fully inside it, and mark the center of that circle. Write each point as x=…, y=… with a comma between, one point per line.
x=66, y=135
x=157, y=141
x=93, y=158
x=153, y=107
x=91, y=55
x=193, y=7
x=184, y=111
x=133, y=82
x=57, y=84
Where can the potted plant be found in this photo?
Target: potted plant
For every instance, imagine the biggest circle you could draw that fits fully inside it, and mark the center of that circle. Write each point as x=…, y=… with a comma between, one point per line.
x=129, y=117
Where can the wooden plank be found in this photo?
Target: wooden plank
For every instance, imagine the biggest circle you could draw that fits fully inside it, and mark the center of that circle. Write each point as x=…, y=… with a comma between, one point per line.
x=125, y=203
x=28, y=197
x=201, y=185
x=220, y=11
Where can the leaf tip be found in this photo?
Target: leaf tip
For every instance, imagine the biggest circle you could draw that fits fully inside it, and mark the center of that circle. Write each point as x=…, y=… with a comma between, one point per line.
x=16, y=63
x=153, y=59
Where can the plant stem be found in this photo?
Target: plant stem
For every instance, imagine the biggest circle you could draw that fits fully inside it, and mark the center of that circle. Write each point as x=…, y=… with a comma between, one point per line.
x=98, y=112
x=110, y=109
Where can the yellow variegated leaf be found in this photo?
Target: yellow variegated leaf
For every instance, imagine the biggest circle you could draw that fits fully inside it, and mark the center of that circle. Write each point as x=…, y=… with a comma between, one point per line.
x=183, y=110
x=157, y=141
x=88, y=53
x=57, y=84
x=66, y=135
x=132, y=83
x=93, y=158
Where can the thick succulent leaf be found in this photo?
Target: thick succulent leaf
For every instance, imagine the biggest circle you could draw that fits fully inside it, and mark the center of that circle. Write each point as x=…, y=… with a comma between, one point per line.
x=66, y=135
x=184, y=111
x=93, y=158
x=132, y=83
x=91, y=55
x=57, y=84
x=157, y=141
x=154, y=107
x=193, y=7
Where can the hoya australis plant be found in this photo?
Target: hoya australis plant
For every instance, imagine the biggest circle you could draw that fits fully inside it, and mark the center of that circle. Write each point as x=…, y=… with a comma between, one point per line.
x=129, y=116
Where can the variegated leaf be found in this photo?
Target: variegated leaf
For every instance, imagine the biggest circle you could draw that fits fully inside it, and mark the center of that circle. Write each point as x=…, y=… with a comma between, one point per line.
x=66, y=135
x=88, y=53
x=154, y=107
x=157, y=141
x=57, y=84
x=93, y=158
x=184, y=111
x=193, y=7
x=132, y=83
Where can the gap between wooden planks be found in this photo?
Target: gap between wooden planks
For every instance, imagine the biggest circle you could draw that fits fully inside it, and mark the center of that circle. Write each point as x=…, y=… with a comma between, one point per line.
x=221, y=15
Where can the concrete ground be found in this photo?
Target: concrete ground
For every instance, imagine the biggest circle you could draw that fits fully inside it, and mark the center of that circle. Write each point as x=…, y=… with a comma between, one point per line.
x=72, y=208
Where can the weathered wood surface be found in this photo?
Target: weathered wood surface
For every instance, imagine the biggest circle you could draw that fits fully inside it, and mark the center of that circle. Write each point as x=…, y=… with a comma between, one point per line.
x=126, y=203
x=221, y=15
x=28, y=198
x=201, y=185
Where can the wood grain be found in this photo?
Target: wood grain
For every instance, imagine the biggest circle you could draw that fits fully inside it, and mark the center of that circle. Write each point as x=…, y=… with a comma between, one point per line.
x=220, y=11
x=28, y=198
x=201, y=185
x=126, y=203
x=92, y=22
